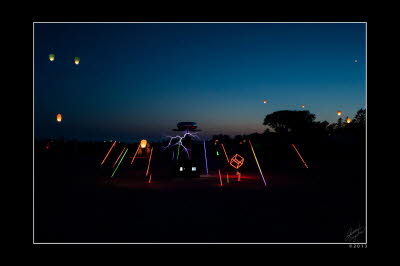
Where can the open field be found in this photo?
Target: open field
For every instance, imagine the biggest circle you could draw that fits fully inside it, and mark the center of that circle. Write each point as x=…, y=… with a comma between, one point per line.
x=77, y=201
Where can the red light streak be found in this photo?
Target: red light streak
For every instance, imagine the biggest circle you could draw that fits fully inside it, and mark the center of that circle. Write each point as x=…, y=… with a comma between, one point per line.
x=220, y=178
x=300, y=155
x=238, y=174
x=148, y=166
x=259, y=168
x=119, y=157
x=112, y=146
x=227, y=178
x=225, y=152
x=150, y=179
x=135, y=154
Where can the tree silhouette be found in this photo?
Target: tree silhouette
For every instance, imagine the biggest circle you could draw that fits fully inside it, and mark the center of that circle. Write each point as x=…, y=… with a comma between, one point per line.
x=284, y=122
x=360, y=117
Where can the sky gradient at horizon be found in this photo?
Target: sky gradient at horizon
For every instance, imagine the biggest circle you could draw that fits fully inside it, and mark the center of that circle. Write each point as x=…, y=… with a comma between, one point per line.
x=138, y=80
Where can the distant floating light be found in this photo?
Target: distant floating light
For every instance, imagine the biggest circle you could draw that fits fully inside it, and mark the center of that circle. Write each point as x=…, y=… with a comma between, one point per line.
x=59, y=118
x=143, y=143
x=339, y=113
x=348, y=120
x=77, y=60
x=52, y=57
x=356, y=61
x=302, y=106
x=265, y=101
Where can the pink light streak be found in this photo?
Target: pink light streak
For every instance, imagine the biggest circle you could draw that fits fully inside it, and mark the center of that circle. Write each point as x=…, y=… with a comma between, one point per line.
x=119, y=157
x=112, y=146
x=225, y=152
x=135, y=153
x=300, y=155
x=179, y=142
x=259, y=168
x=148, y=166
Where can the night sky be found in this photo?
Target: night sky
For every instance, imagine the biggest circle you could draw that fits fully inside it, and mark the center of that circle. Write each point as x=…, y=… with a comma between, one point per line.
x=138, y=80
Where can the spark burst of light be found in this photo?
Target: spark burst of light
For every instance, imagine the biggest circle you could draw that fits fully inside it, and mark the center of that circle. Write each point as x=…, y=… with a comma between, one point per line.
x=179, y=142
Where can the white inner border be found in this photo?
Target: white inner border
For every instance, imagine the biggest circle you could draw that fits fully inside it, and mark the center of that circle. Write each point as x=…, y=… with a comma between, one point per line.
x=33, y=132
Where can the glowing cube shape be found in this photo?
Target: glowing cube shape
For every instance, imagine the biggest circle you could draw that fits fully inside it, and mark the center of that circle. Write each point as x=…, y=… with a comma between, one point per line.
x=237, y=161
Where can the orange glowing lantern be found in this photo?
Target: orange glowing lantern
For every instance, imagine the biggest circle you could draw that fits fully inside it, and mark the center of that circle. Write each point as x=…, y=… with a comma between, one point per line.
x=302, y=106
x=339, y=113
x=77, y=60
x=143, y=143
x=265, y=101
x=348, y=120
x=59, y=118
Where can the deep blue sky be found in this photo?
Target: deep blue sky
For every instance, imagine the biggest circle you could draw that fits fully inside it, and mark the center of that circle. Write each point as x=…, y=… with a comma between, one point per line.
x=138, y=80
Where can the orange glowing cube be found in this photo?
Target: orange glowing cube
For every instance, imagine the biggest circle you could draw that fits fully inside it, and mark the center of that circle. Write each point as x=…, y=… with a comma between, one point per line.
x=237, y=161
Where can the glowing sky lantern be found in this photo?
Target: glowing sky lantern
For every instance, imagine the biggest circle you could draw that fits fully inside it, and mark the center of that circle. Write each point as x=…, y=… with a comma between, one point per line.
x=302, y=106
x=265, y=101
x=143, y=143
x=77, y=60
x=348, y=120
x=339, y=112
x=52, y=57
x=59, y=118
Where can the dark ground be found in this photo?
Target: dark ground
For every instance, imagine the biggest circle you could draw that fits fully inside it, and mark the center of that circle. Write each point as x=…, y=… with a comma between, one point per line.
x=74, y=203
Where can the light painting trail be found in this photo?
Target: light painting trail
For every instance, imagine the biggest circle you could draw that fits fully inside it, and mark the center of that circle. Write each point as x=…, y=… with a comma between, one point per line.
x=119, y=156
x=150, y=179
x=255, y=157
x=112, y=146
x=148, y=166
x=205, y=155
x=220, y=178
x=179, y=142
x=227, y=178
x=238, y=174
x=135, y=154
x=300, y=155
x=225, y=152
x=119, y=163
x=237, y=161
x=173, y=154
